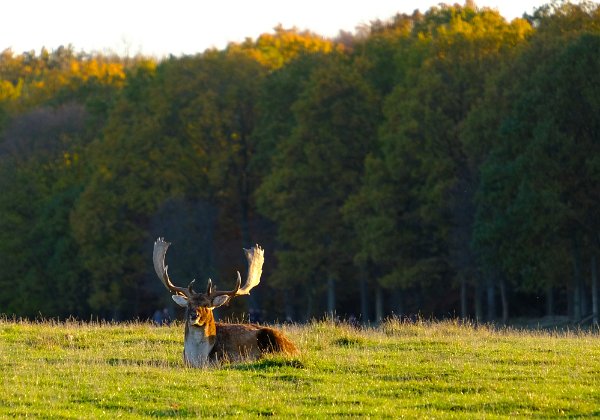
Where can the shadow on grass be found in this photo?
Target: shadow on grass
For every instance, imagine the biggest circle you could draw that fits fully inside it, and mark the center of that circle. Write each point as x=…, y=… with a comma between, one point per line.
x=116, y=361
x=270, y=363
x=349, y=341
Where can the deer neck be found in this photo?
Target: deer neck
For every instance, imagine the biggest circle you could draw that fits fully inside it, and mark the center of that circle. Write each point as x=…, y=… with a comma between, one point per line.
x=199, y=341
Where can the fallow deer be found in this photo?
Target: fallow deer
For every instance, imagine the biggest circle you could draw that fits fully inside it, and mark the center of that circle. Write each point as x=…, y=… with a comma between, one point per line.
x=206, y=341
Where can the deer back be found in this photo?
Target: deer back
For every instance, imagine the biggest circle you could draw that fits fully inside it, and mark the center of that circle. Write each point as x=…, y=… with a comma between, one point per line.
x=237, y=342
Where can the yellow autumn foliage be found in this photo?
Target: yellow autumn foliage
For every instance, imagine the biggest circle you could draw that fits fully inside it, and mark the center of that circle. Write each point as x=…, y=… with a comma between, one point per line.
x=274, y=50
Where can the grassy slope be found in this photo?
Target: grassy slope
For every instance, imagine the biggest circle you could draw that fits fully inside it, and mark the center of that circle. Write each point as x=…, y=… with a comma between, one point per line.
x=416, y=370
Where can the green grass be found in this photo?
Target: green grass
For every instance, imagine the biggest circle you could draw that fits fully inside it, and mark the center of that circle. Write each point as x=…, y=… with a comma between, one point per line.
x=438, y=369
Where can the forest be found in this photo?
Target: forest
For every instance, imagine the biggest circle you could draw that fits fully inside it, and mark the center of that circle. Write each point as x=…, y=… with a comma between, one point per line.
x=441, y=164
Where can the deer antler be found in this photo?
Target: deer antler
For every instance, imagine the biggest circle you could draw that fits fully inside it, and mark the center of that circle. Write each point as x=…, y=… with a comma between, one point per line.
x=158, y=257
x=256, y=258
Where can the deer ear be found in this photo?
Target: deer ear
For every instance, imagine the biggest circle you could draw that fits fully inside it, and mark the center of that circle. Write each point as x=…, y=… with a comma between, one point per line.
x=219, y=301
x=180, y=300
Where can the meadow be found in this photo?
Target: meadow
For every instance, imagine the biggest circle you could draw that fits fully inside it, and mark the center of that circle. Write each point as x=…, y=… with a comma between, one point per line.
x=400, y=369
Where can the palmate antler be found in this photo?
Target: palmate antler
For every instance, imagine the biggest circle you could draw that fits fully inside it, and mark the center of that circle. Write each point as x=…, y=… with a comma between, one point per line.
x=255, y=257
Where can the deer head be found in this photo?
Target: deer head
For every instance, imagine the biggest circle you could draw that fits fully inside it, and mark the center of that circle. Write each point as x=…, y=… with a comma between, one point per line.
x=200, y=305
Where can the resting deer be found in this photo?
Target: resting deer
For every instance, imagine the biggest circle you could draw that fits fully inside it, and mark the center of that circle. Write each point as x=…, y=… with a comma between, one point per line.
x=207, y=341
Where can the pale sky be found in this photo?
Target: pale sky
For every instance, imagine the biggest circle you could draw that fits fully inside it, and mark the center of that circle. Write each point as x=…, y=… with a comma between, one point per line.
x=163, y=27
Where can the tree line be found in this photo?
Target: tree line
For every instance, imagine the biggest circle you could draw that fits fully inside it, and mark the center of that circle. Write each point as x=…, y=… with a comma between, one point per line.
x=444, y=163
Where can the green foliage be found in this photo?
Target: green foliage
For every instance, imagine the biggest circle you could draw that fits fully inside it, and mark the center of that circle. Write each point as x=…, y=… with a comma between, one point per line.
x=437, y=149
x=180, y=131
x=42, y=178
x=136, y=168
x=285, y=45
x=548, y=188
x=314, y=170
x=414, y=209
x=276, y=120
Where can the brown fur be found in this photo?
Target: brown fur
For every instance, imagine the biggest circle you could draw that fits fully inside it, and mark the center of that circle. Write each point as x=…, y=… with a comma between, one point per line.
x=235, y=342
x=231, y=342
x=205, y=318
x=274, y=341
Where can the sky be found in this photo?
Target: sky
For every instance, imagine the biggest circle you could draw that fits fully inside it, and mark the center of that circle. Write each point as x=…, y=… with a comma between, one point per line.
x=162, y=27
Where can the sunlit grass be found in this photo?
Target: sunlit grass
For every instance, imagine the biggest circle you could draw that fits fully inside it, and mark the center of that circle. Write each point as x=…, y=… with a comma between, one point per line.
x=412, y=369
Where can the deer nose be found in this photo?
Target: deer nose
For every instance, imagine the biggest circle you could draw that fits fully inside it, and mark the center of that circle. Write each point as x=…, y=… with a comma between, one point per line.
x=195, y=320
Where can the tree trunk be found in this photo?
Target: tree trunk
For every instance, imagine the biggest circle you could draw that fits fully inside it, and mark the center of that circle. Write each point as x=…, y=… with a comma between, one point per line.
x=594, y=289
x=577, y=293
x=461, y=206
x=478, y=300
x=364, y=298
x=378, y=303
x=570, y=311
x=491, y=298
x=549, y=301
x=288, y=305
x=309, y=306
x=583, y=298
x=463, y=298
x=398, y=308
x=330, y=297
x=504, y=298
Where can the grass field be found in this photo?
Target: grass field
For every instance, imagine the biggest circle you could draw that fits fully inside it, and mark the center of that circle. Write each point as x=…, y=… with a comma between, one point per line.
x=422, y=369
